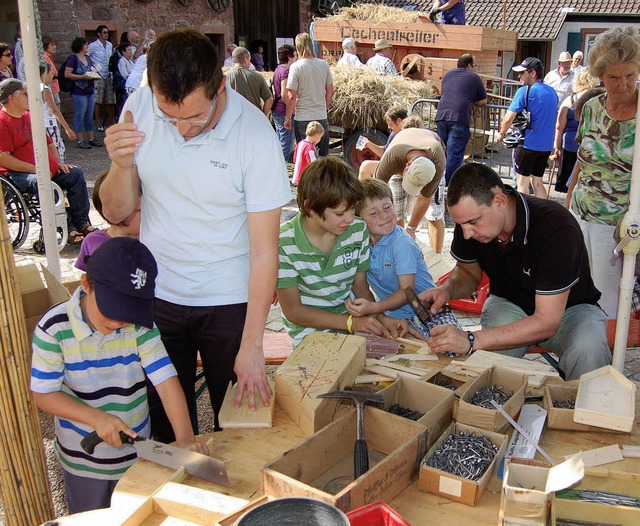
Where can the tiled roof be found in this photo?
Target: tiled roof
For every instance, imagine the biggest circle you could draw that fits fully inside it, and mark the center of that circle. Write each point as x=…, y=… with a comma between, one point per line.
x=541, y=19
x=531, y=19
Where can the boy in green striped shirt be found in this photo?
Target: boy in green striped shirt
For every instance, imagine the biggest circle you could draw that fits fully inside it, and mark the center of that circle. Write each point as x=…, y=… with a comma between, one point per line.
x=90, y=357
x=324, y=257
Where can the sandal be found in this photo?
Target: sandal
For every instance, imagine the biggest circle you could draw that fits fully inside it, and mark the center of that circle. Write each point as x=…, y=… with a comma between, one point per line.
x=75, y=237
x=87, y=229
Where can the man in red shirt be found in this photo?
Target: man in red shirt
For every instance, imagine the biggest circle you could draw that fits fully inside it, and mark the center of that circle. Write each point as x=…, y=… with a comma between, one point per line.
x=17, y=159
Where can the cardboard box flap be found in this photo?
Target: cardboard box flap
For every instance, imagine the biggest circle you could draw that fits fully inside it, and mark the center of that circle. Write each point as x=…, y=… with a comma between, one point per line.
x=565, y=474
x=28, y=278
x=57, y=291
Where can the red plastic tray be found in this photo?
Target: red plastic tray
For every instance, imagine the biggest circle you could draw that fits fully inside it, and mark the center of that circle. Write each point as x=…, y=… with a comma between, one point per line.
x=376, y=514
x=472, y=303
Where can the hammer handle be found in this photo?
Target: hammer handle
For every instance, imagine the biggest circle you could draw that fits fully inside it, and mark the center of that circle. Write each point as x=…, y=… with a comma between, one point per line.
x=360, y=458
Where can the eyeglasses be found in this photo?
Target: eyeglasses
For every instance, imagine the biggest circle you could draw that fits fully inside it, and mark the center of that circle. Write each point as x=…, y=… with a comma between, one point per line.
x=7, y=54
x=474, y=65
x=105, y=32
x=193, y=123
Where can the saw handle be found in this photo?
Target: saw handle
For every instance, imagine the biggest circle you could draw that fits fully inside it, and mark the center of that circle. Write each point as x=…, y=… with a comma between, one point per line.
x=90, y=442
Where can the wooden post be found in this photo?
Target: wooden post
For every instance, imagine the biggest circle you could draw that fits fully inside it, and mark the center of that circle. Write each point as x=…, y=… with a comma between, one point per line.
x=24, y=486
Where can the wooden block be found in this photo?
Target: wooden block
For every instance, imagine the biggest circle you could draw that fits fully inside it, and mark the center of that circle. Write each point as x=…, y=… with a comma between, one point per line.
x=371, y=379
x=277, y=347
x=243, y=417
x=321, y=363
x=417, y=371
x=601, y=455
x=631, y=451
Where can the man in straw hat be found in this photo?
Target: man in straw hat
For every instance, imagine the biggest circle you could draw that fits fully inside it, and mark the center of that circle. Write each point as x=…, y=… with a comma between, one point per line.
x=561, y=78
x=380, y=62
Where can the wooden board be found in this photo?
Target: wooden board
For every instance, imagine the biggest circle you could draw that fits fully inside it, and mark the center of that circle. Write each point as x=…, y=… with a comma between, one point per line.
x=606, y=399
x=242, y=417
x=536, y=372
x=277, y=347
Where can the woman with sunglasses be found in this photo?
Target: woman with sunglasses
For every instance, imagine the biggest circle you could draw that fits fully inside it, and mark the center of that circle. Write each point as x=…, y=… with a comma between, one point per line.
x=5, y=61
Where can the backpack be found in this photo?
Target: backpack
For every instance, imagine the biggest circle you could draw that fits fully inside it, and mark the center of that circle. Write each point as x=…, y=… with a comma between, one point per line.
x=66, y=84
x=113, y=61
x=118, y=82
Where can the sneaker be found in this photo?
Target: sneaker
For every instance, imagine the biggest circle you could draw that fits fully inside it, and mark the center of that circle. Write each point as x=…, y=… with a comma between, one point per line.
x=83, y=145
x=94, y=142
x=100, y=128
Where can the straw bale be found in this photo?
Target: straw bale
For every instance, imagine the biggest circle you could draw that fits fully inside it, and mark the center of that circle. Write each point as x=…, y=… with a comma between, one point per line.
x=362, y=96
x=376, y=13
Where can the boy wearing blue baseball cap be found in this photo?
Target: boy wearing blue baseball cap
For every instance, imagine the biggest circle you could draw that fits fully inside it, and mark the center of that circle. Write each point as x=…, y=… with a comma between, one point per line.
x=90, y=357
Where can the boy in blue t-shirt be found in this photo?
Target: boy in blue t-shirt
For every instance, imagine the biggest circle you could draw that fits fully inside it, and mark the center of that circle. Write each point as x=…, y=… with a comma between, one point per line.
x=324, y=254
x=396, y=261
x=90, y=358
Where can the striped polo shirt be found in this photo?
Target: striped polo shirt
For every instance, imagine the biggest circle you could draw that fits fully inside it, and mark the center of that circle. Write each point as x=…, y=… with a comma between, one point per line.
x=324, y=282
x=102, y=371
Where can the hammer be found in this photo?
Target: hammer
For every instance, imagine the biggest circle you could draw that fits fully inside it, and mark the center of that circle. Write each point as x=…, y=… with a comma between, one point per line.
x=359, y=398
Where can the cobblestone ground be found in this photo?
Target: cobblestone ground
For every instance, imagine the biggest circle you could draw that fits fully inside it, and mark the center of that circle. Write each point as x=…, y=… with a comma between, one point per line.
x=92, y=162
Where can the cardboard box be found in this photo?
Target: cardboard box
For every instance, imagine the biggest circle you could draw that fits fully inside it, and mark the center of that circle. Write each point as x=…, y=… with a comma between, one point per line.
x=562, y=419
x=321, y=363
x=526, y=490
x=451, y=486
x=490, y=419
x=38, y=296
x=563, y=506
x=441, y=378
x=321, y=467
x=435, y=402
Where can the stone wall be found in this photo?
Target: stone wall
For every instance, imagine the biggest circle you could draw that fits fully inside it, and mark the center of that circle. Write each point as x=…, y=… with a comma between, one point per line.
x=65, y=20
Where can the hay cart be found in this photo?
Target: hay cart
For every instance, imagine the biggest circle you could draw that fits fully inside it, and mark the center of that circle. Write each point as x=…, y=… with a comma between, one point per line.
x=421, y=51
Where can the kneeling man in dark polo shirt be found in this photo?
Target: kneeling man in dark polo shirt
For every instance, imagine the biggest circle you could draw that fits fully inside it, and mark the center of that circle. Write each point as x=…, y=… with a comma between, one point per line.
x=541, y=288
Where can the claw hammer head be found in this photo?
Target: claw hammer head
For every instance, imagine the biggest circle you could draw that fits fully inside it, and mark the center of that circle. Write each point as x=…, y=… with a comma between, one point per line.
x=358, y=397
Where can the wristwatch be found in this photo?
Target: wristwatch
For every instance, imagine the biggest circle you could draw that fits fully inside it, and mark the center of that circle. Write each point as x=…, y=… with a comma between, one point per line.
x=472, y=339
x=411, y=228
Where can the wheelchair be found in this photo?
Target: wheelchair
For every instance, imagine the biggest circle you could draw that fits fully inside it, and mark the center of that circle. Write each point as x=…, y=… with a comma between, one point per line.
x=21, y=209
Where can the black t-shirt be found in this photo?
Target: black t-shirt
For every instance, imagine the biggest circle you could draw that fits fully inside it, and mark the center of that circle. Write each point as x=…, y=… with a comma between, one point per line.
x=545, y=256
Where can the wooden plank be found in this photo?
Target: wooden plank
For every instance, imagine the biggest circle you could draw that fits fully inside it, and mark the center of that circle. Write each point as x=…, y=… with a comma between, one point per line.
x=601, y=455
x=232, y=418
x=417, y=35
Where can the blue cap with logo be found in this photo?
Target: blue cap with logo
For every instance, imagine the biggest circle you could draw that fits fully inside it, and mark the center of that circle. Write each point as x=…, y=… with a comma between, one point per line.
x=124, y=271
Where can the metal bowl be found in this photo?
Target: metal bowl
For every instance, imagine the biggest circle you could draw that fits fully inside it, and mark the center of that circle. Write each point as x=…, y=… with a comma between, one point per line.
x=294, y=512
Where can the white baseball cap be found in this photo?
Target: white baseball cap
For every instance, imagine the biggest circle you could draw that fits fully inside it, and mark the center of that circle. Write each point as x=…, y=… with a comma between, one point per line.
x=417, y=175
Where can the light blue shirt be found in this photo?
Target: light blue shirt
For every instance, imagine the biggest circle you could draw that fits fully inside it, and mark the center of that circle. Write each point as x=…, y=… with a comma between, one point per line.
x=100, y=54
x=394, y=255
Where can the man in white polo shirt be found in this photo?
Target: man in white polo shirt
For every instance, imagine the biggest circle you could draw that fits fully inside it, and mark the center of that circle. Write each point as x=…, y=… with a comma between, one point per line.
x=213, y=180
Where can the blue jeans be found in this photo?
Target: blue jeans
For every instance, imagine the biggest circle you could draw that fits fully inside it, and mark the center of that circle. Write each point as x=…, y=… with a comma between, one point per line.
x=284, y=136
x=72, y=183
x=300, y=129
x=455, y=136
x=83, y=112
x=580, y=343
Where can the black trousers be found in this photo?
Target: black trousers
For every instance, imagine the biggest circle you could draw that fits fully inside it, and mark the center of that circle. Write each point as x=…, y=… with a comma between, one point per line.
x=214, y=331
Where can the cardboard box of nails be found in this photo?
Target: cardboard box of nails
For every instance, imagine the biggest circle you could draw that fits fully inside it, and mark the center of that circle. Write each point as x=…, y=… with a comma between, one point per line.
x=422, y=402
x=442, y=379
x=601, y=497
x=559, y=402
x=505, y=386
x=322, y=466
x=460, y=464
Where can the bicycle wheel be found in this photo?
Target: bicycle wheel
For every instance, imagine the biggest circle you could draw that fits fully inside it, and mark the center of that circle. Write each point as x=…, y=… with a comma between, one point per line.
x=16, y=211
